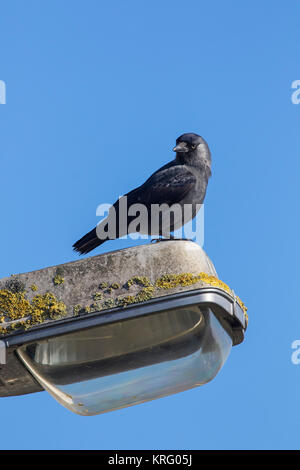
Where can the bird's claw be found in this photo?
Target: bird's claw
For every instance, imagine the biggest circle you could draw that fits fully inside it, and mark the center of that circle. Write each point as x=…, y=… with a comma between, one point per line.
x=157, y=240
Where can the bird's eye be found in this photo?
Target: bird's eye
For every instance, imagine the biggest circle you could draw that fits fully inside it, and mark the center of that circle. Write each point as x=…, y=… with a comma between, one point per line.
x=193, y=146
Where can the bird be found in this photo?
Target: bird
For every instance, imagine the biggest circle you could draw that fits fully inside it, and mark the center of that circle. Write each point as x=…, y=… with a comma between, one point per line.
x=180, y=183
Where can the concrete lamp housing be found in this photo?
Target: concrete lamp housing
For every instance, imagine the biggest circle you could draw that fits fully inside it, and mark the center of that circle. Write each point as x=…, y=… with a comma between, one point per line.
x=117, y=329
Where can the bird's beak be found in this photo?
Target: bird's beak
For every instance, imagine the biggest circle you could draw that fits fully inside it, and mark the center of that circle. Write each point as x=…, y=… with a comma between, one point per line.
x=181, y=148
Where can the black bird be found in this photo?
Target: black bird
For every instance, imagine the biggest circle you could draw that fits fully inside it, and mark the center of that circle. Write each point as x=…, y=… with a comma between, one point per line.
x=183, y=181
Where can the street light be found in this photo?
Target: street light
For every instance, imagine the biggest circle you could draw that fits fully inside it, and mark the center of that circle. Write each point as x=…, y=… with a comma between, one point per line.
x=109, y=359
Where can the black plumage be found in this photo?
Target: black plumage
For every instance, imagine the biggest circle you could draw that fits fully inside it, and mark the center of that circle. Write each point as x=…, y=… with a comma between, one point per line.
x=183, y=181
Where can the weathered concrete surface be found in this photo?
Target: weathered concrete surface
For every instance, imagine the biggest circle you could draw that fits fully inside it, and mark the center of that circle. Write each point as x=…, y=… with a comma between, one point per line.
x=78, y=283
x=98, y=282
x=114, y=279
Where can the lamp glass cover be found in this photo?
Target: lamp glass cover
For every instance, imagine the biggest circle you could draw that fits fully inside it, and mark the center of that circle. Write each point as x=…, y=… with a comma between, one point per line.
x=112, y=366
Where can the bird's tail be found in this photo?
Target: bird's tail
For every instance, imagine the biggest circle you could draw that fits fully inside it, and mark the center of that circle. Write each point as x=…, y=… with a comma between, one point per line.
x=88, y=242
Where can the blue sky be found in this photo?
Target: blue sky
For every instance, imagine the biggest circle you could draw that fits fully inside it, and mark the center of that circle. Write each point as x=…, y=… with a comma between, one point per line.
x=97, y=92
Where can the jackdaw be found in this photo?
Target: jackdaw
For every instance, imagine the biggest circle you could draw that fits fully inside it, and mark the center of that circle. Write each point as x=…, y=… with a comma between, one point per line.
x=178, y=184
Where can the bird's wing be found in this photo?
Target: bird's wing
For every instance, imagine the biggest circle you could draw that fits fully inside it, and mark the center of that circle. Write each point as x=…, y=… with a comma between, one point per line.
x=168, y=185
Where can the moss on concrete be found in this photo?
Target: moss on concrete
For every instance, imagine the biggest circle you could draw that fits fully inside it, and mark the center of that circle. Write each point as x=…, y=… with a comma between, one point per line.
x=16, y=306
x=18, y=311
x=15, y=285
x=98, y=296
x=139, y=281
x=108, y=303
x=77, y=309
x=103, y=285
x=115, y=285
x=59, y=276
x=58, y=280
x=169, y=281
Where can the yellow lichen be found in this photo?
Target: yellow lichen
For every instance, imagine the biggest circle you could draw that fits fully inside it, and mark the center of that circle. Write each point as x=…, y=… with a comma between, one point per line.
x=126, y=300
x=168, y=281
x=98, y=296
x=103, y=285
x=47, y=306
x=16, y=306
x=115, y=285
x=109, y=303
x=96, y=307
x=58, y=280
x=145, y=294
x=243, y=307
x=76, y=309
x=139, y=281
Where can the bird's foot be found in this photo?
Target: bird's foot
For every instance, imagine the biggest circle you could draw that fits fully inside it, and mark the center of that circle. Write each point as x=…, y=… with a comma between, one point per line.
x=157, y=240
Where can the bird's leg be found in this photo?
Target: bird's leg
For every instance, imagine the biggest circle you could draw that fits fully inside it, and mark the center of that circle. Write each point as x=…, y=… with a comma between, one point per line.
x=169, y=237
x=183, y=239
x=166, y=238
x=156, y=240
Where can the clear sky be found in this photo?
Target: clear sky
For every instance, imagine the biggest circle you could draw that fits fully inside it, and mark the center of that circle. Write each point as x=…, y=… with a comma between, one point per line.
x=96, y=94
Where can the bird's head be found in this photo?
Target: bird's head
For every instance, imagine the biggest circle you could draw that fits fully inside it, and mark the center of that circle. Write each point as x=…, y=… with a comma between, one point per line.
x=191, y=149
